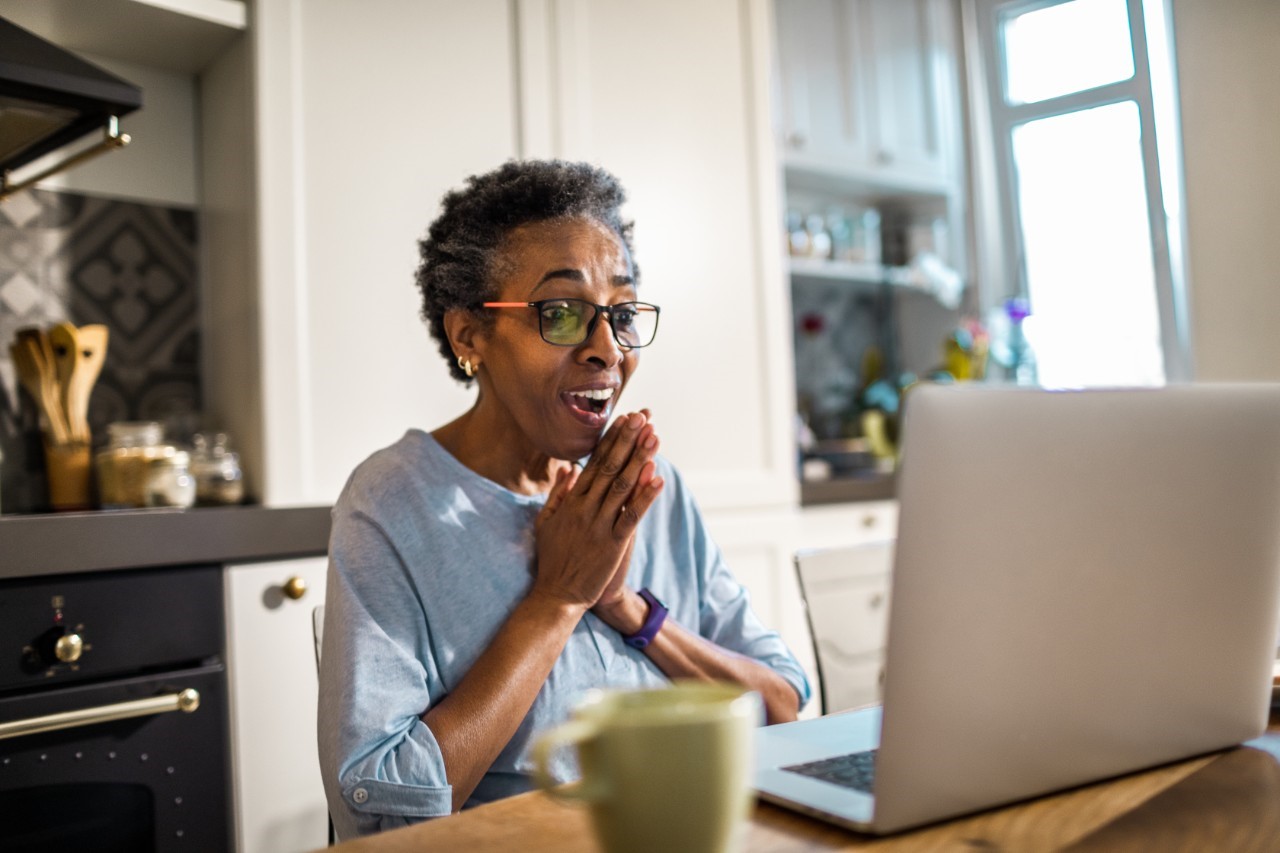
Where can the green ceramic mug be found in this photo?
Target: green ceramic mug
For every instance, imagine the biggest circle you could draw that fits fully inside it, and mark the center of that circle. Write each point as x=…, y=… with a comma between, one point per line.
x=663, y=769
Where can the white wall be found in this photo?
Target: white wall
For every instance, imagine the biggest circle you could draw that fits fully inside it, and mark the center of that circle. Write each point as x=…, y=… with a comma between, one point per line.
x=1230, y=104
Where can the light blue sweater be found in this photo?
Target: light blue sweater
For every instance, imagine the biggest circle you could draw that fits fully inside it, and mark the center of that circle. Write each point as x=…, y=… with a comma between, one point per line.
x=427, y=559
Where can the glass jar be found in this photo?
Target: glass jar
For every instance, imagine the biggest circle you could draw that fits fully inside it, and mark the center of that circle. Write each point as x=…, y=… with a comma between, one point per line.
x=219, y=480
x=122, y=465
x=169, y=480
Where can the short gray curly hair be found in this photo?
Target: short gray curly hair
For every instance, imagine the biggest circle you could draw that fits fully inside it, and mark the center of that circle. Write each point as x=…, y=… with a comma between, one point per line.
x=462, y=249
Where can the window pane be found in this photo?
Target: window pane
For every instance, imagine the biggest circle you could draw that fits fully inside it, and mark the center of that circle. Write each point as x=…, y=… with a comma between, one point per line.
x=1066, y=48
x=1087, y=246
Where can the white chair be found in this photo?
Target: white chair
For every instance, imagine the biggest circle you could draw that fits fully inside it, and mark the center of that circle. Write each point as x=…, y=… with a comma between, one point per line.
x=846, y=599
x=317, y=631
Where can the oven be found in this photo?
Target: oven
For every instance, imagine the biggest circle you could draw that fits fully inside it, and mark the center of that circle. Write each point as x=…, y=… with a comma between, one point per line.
x=114, y=713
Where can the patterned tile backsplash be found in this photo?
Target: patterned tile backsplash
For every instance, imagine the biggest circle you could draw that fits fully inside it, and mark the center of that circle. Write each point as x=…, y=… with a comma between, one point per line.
x=131, y=267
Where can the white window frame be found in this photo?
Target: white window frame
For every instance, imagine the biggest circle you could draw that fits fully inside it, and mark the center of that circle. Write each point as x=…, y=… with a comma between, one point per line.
x=999, y=253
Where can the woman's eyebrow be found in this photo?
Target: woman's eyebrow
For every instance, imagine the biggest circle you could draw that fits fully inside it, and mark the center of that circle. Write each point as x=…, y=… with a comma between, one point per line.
x=570, y=273
x=577, y=275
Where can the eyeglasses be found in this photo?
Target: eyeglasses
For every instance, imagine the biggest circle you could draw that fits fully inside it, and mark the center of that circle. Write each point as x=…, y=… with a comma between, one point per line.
x=569, y=322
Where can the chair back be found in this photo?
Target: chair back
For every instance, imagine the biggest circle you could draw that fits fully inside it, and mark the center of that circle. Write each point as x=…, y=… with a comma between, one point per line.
x=846, y=600
x=317, y=635
x=317, y=630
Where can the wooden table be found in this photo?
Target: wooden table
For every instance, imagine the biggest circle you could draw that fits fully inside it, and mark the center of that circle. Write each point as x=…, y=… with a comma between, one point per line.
x=1229, y=801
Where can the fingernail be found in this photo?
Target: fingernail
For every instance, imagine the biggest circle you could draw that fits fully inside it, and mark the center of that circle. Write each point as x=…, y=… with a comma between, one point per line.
x=651, y=442
x=635, y=420
x=655, y=483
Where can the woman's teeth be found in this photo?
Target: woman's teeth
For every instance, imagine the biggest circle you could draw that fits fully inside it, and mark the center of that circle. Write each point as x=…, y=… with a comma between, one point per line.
x=595, y=394
x=595, y=399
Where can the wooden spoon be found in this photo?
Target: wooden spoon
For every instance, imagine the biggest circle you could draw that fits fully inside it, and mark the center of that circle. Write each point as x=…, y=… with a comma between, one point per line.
x=38, y=376
x=65, y=342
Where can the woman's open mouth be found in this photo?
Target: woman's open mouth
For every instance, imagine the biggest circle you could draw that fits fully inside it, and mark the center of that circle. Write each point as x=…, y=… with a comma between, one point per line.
x=591, y=406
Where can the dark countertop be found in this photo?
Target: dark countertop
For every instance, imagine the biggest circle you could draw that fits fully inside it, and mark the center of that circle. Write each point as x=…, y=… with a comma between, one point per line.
x=848, y=490
x=57, y=543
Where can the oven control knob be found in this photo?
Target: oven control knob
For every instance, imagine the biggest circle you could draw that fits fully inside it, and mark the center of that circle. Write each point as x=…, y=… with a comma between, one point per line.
x=68, y=648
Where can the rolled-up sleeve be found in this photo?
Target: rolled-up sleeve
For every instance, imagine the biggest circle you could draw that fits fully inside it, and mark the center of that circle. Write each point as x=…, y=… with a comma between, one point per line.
x=726, y=619
x=725, y=616
x=381, y=765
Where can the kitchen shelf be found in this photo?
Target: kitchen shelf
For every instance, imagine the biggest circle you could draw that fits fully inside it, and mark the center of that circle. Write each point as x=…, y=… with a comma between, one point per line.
x=181, y=36
x=870, y=186
x=854, y=272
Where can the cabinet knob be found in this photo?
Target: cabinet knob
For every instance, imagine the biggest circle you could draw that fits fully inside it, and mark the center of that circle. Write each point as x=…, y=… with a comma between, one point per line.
x=869, y=521
x=295, y=587
x=796, y=140
x=68, y=648
x=883, y=157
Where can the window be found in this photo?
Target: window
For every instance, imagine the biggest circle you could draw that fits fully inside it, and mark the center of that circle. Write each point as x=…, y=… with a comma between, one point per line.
x=1081, y=167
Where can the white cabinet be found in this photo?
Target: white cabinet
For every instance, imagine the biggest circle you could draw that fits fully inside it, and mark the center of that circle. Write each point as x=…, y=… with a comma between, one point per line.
x=823, y=109
x=339, y=127
x=869, y=90
x=279, y=799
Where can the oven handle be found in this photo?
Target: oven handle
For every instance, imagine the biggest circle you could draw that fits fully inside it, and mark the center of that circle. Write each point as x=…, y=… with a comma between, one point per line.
x=184, y=700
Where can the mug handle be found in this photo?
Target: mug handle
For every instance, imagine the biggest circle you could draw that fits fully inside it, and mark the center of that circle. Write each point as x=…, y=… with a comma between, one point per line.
x=569, y=734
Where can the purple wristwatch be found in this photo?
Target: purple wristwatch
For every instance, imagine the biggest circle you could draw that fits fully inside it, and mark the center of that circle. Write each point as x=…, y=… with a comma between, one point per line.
x=653, y=622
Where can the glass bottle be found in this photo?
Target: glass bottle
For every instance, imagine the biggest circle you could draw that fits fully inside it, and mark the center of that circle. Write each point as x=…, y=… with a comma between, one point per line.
x=216, y=468
x=169, y=480
x=122, y=465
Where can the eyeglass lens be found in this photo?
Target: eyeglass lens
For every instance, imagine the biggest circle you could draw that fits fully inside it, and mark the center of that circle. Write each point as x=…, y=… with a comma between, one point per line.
x=567, y=321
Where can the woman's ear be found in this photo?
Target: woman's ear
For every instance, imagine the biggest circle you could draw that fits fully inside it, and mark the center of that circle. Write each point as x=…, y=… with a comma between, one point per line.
x=463, y=331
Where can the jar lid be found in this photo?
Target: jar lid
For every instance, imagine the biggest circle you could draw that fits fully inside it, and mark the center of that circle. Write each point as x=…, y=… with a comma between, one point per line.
x=171, y=457
x=135, y=433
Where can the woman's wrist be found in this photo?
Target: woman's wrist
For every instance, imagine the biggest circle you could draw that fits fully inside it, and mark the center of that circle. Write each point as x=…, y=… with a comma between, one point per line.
x=625, y=613
x=554, y=605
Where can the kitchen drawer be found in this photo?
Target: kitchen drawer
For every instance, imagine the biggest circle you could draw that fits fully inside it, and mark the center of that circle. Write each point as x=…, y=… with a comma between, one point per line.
x=839, y=525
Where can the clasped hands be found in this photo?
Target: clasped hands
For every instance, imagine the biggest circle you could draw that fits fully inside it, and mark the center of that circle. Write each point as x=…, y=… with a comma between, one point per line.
x=585, y=533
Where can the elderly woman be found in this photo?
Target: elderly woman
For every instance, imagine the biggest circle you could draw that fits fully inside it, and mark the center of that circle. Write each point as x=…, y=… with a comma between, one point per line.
x=479, y=579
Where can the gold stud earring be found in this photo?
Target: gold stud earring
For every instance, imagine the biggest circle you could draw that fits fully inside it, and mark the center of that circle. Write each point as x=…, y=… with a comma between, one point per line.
x=465, y=364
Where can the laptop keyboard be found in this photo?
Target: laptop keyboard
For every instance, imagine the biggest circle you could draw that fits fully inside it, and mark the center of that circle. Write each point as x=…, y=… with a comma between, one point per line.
x=857, y=770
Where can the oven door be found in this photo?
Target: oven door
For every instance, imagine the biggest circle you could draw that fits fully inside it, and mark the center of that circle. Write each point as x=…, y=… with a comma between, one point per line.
x=154, y=781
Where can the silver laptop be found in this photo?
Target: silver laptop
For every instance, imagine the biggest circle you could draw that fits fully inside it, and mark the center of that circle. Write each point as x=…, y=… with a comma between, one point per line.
x=1084, y=585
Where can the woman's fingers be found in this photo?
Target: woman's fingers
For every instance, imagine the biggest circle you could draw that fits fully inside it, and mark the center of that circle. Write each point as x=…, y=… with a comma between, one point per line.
x=560, y=486
x=618, y=489
x=611, y=454
x=603, y=447
x=619, y=463
x=642, y=497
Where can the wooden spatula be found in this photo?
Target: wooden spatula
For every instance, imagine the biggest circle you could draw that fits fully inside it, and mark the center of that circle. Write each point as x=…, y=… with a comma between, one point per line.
x=33, y=357
x=65, y=342
x=92, y=340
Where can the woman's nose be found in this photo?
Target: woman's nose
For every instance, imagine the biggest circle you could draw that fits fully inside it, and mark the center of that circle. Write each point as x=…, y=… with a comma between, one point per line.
x=601, y=344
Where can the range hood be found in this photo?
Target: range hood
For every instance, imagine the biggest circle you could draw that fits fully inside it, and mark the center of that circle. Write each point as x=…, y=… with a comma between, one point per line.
x=49, y=98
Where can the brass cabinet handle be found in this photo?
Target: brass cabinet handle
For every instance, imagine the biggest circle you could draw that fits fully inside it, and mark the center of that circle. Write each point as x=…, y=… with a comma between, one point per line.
x=184, y=700
x=295, y=587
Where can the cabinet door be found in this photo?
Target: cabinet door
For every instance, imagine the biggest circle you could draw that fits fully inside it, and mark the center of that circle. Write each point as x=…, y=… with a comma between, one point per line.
x=279, y=799
x=365, y=114
x=913, y=75
x=684, y=123
x=823, y=89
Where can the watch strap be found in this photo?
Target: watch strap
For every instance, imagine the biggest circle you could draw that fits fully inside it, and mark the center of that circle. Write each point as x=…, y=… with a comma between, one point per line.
x=652, y=623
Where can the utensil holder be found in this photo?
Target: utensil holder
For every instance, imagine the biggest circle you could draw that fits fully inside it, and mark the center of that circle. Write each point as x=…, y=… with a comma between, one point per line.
x=67, y=471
